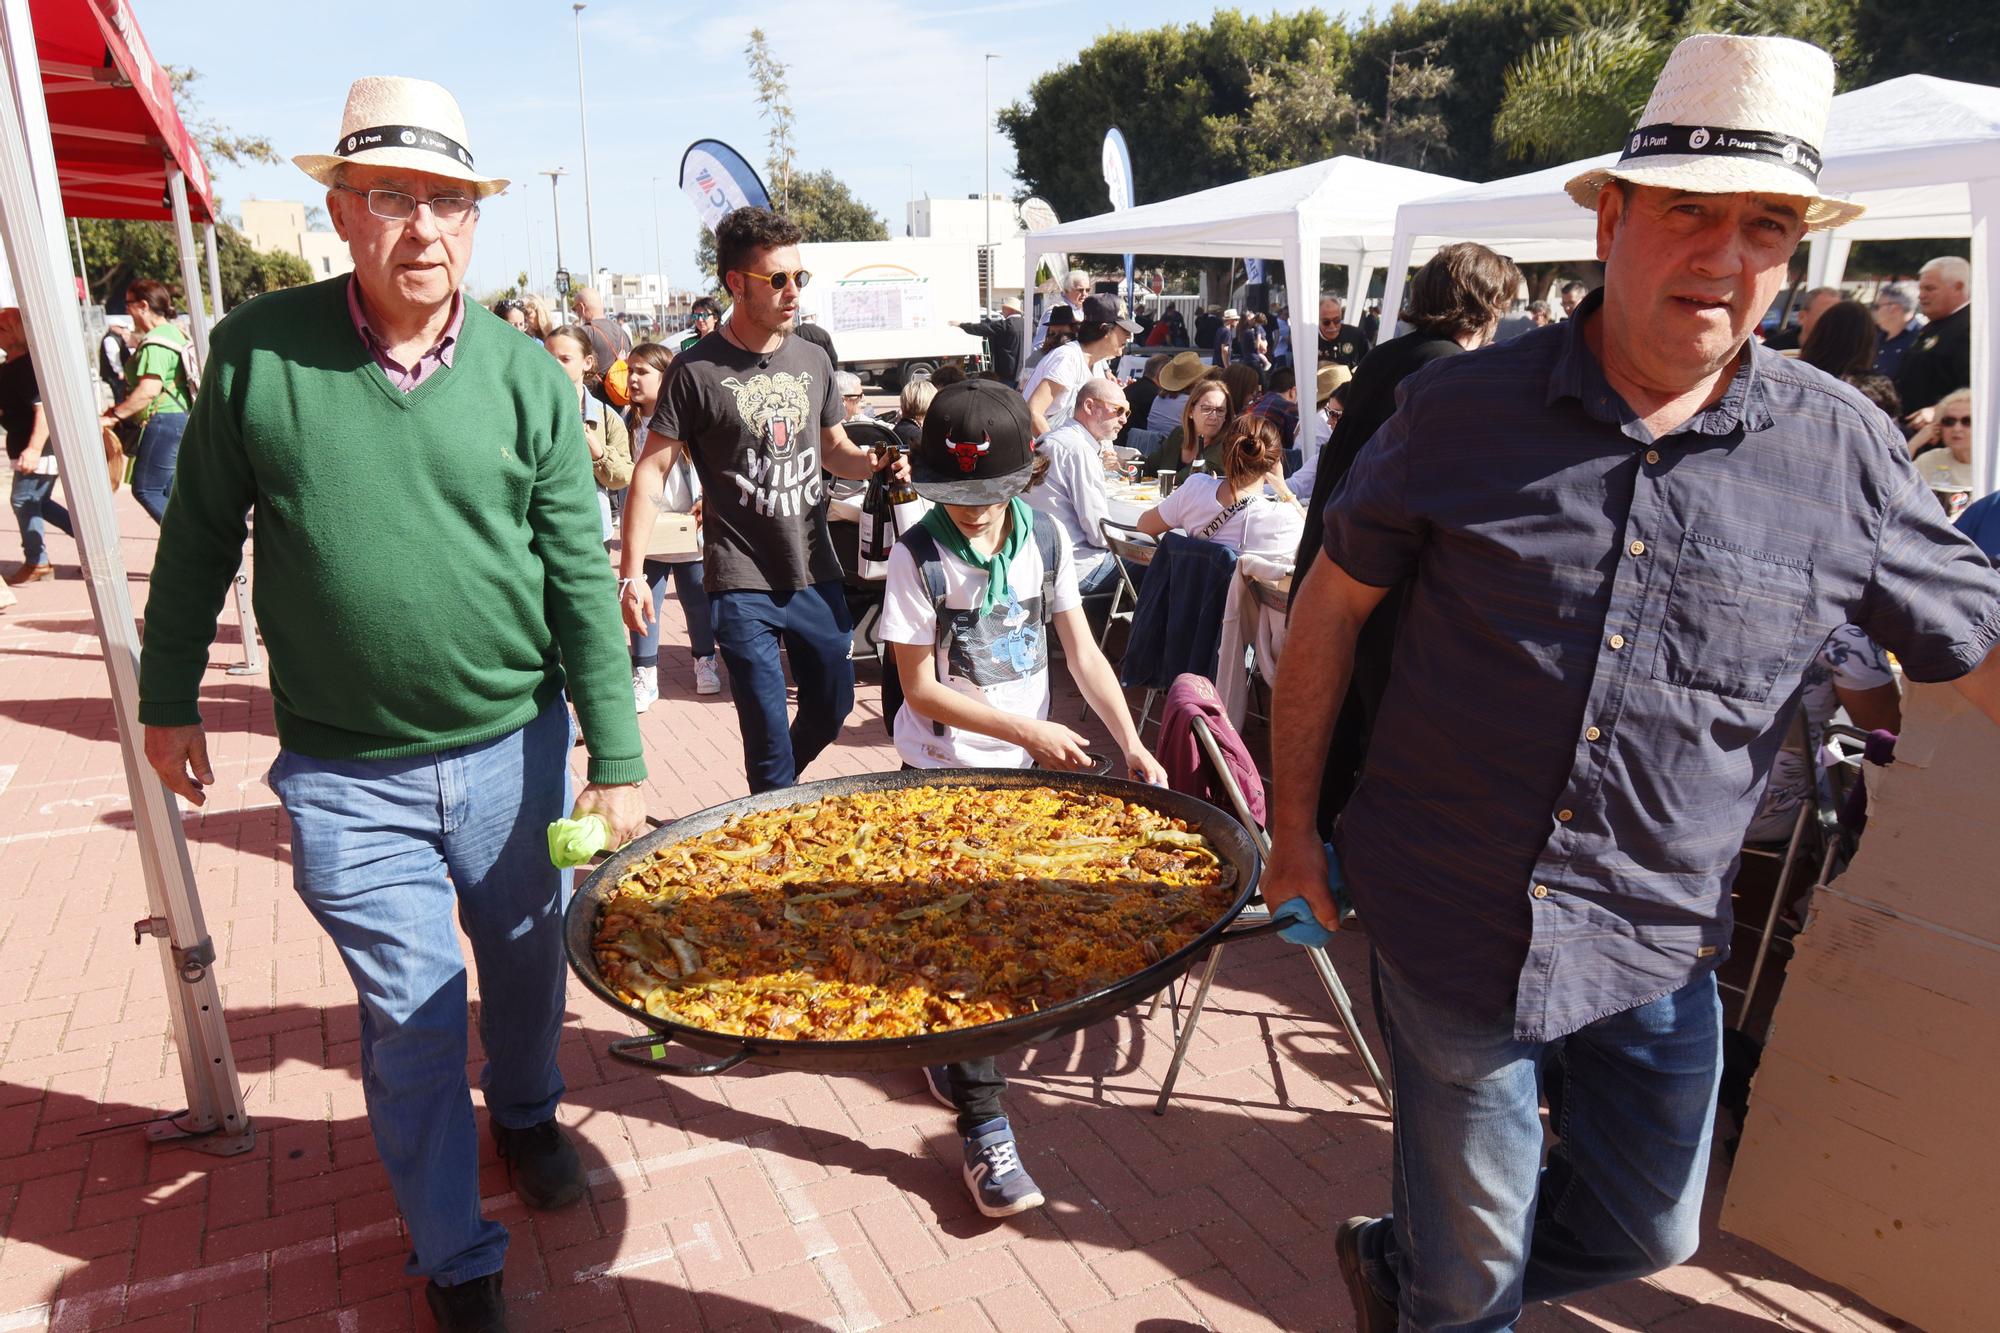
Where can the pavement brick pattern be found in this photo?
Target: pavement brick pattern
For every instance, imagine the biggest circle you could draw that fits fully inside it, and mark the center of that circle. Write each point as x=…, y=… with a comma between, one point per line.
x=756, y=1200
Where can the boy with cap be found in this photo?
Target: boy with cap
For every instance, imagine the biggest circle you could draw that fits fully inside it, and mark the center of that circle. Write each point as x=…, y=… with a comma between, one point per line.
x=967, y=604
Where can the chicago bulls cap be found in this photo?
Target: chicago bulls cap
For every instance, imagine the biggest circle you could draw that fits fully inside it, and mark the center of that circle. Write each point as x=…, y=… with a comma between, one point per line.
x=978, y=446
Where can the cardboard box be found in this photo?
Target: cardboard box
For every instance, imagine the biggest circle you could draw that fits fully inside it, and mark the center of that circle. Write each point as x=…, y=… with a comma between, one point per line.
x=1871, y=1156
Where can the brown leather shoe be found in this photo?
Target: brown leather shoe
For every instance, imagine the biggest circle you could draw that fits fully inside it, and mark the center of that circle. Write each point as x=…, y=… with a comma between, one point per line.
x=31, y=574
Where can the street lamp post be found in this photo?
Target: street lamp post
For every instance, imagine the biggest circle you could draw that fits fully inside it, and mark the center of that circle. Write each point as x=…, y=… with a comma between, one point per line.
x=583, y=129
x=986, y=195
x=659, y=260
x=555, y=201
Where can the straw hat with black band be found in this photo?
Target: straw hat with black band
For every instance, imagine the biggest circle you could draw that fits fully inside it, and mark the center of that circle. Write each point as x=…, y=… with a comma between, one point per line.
x=1733, y=115
x=410, y=124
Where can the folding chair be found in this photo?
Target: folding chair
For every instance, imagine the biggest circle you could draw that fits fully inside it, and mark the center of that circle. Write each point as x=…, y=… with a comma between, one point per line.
x=1271, y=601
x=1343, y=1006
x=1815, y=824
x=1836, y=814
x=1129, y=547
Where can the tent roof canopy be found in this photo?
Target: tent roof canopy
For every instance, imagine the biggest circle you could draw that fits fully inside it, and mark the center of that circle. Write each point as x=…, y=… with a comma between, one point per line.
x=1348, y=202
x=111, y=114
x=1905, y=147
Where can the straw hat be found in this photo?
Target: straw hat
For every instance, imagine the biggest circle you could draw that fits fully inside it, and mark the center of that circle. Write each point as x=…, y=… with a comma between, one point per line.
x=398, y=122
x=1328, y=381
x=1181, y=372
x=1733, y=115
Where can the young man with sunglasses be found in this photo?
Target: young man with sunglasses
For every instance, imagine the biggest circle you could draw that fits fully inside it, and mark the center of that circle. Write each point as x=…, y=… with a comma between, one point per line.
x=757, y=409
x=430, y=585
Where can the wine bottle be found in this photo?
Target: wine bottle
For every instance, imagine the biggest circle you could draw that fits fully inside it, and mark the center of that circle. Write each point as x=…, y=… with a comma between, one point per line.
x=909, y=507
x=878, y=529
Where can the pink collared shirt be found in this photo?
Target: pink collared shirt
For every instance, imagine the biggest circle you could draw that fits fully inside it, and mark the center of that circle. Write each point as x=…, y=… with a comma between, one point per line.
x=404, y=377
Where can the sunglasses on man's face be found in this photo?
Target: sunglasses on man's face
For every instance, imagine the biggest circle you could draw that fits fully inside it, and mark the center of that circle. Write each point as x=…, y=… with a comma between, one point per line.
x=780, y=280
x=1948, y=422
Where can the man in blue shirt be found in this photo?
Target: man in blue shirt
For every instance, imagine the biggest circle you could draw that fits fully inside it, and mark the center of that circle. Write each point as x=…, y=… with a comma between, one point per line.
x=1897, y=327
x=1622, y=540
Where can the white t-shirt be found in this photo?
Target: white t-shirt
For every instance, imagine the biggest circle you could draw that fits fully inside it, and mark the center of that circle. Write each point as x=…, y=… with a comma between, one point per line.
x=1068, y=367
x=1073, y=493
x=1266, y=526
x=1002, y=658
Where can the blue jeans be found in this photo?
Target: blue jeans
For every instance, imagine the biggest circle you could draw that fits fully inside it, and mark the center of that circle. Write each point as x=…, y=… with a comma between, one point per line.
x=816, y=632
x=1100, y=578
x=35, y=505
x=686, y=575
x=384, y=852
x=153, y=466
x=1479, y=1227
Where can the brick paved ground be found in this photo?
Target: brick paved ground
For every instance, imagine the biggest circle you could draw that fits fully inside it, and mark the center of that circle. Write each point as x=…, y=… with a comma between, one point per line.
x=753, y=1200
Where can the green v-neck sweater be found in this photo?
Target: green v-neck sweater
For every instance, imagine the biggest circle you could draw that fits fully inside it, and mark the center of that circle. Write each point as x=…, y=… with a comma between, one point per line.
x=429, y=566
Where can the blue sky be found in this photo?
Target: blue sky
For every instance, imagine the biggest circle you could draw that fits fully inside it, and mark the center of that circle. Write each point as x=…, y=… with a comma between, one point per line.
x=885, y=91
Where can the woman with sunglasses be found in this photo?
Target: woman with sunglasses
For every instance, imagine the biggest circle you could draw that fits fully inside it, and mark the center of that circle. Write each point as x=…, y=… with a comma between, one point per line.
x=1943, y=449
x=1198, y=439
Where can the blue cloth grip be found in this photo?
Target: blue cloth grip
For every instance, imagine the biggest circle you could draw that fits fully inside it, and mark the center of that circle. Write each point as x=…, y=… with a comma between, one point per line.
x=1305, y=930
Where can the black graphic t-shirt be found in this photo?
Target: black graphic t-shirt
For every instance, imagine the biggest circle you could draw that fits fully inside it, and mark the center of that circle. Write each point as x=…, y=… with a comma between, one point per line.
x=752, y=424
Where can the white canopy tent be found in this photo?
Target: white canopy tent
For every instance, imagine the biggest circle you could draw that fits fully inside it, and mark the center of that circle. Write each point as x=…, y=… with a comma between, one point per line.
x=1922, y=153
x=1342, y=210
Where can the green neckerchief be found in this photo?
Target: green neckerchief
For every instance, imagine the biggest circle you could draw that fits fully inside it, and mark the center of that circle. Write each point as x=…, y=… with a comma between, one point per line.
x=1020, y=529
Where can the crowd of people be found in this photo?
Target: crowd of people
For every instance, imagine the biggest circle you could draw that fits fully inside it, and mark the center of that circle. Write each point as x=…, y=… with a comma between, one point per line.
x=1483, y=675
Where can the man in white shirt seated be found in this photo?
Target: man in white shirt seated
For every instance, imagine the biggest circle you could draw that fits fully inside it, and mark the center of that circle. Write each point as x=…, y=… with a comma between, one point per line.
x=1072, y=492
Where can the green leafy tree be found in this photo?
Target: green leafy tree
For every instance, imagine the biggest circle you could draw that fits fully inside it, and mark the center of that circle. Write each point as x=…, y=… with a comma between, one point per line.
x=767, y=74
x=1580, y=90
x=825, y=209
x=1952, y=39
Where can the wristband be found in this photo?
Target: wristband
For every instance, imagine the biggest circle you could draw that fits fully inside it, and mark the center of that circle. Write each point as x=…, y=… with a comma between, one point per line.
x=623, y=582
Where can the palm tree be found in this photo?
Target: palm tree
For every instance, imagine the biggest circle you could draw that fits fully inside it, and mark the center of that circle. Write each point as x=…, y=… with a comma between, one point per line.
x=1579, y=92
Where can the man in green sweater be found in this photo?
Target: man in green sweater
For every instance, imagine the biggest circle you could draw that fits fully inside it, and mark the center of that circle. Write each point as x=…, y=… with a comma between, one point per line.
x=430, y=580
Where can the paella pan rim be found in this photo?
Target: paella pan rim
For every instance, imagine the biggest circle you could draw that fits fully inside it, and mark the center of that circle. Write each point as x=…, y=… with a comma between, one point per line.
x=1225, y=836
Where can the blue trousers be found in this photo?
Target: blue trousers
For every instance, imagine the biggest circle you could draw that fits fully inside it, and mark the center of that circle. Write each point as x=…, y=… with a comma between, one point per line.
x=1479, y=1227
x=816, y=633
x=153, y=466
x=686, y=576
x=385, y=853
x=35, y=506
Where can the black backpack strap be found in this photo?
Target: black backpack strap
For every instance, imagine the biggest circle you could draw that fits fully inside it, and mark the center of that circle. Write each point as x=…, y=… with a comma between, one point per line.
x=930, y=564
x=1048, y=539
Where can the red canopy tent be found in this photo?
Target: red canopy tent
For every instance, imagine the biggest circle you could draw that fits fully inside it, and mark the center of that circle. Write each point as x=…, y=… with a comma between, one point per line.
x=111, y=111
x=87, y=122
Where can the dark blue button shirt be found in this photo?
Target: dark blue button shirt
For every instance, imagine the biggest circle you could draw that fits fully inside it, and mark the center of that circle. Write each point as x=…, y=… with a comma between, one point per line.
x=1605, y=638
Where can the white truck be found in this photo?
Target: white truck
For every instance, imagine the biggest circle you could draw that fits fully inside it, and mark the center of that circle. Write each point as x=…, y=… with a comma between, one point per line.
x=893, y=307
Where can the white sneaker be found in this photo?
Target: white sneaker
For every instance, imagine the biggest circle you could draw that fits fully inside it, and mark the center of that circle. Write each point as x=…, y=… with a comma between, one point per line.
x=645, y=687
x=708, y=674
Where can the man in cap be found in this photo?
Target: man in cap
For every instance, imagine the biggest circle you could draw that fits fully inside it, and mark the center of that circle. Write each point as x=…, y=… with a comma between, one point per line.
x=1941, y=361
x=1225, y=336
x=430, y=584
x=757, y=410
x=1003, y=340
x=1340, y=343
x=1625, y=539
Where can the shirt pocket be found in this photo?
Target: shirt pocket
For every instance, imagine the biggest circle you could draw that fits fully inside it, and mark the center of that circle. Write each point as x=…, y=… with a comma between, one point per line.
x=1733, y=618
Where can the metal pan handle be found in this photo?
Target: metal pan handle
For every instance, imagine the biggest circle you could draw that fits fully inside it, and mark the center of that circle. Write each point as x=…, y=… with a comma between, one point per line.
x=641, y=1051
x=1293, y=917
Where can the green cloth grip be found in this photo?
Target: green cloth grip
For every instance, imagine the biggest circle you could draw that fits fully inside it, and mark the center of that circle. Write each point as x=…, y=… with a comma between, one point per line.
x=572, y=842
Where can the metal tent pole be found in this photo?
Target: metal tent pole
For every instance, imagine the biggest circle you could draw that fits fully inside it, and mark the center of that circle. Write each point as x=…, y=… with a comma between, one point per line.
x=190, y=275
x=214, y=269
x=31, y=220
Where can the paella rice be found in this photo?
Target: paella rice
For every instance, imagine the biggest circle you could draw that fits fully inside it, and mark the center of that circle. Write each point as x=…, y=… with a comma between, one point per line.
x=904, y=911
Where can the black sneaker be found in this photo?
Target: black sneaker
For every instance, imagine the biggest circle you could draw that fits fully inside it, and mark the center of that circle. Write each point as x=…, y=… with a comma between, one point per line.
x=470, y=1307
x=546, y=1170
x=1372, y=1314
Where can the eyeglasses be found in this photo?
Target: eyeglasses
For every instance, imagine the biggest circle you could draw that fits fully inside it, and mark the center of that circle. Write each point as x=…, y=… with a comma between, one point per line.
x=779, y=281
x=1948, y=422
x=451, y=210
x=1218, y=409
x=852, y=397
x=1324, y=323
x=1120, y=411
x=704, y=314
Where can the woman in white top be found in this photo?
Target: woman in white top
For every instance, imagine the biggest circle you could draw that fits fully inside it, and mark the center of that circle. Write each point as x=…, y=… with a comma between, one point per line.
x=1943, y=449
x=1248, y=508
x=680, y=493
x=1051, y=391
